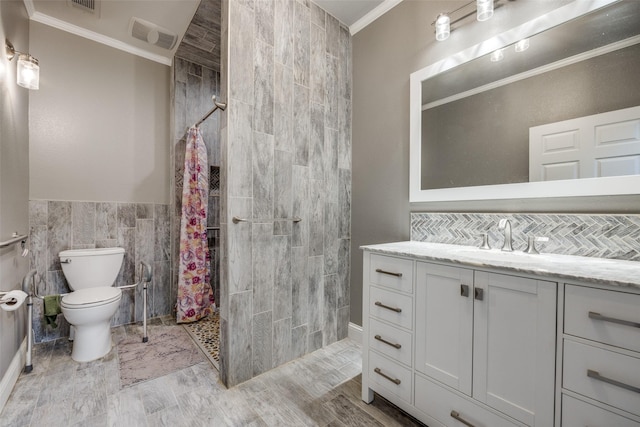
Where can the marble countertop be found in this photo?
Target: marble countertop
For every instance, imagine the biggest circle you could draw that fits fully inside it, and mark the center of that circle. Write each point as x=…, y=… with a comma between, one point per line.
x=567, y=267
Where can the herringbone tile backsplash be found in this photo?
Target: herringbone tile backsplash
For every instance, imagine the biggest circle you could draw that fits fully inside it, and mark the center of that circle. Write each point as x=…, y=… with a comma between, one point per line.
x=601, y=236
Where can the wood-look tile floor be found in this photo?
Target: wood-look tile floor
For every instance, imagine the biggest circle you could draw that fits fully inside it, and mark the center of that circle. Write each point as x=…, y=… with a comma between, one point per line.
x=319, y=389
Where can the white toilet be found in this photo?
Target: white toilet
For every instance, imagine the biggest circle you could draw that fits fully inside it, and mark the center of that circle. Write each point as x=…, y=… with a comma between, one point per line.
x=90, y=274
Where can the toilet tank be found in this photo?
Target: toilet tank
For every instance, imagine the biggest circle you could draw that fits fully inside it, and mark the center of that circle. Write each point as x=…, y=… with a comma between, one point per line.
x=90, y=268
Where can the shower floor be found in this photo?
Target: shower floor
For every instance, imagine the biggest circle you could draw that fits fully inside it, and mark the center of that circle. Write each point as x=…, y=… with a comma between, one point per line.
x=206, y=334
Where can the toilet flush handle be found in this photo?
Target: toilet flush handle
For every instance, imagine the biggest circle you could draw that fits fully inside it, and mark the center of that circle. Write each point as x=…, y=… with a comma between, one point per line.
x=65, y=261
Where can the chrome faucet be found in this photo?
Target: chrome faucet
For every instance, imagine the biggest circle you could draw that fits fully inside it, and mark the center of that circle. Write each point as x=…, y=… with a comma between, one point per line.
x=505, y=225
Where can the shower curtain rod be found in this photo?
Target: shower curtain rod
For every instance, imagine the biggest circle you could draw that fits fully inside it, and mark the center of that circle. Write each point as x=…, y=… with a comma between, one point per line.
x=220, y=105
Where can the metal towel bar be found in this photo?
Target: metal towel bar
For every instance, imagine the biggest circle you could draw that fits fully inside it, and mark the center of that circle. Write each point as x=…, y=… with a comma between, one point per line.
x=15, y=238
x=236, y=219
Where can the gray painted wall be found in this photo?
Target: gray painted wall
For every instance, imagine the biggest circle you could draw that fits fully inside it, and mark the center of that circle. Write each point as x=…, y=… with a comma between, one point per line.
x=384, y=55
x=14, y=182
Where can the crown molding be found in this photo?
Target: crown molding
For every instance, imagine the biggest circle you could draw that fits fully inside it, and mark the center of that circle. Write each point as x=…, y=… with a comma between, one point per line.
x=377, y=12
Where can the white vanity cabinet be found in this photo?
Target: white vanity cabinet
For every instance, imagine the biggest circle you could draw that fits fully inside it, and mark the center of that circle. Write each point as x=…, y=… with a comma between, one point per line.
x=489, y=336
x=465, y=346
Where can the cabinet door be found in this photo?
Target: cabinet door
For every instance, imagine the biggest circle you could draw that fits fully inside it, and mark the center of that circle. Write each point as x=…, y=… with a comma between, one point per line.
x=515, y=346
x=444, y=318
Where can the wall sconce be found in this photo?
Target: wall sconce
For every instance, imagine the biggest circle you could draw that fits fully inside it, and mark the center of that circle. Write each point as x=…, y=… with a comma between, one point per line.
x=28, y=75
x=522, y=45
x=484, y=11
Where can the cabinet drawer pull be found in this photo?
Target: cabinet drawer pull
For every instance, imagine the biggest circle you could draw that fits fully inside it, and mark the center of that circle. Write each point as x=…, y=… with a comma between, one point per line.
x=596, y=376
x=456, y=415
x=479, y=293
x=379, y=338
x=390, y=273
x=598, y=316
x=396, y=309
x=396, y=381
x=464, y=290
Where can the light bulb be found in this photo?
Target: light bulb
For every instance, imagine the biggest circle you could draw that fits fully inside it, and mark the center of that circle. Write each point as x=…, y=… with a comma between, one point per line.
x=28, y=72
x=485, y=9
x=443, y=28
x=522, y=45
x=497, y=55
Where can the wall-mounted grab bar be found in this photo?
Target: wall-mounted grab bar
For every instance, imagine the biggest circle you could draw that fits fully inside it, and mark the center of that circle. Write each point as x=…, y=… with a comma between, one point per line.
x=15, y=238
x=236, y=219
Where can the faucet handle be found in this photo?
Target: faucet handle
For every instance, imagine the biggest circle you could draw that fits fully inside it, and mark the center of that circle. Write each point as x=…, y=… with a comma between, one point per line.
x=485, y=241
x=531, y=246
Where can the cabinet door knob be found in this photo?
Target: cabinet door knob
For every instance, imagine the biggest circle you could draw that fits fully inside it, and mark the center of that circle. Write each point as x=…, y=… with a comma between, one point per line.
x=479, y=293
x=464, y=290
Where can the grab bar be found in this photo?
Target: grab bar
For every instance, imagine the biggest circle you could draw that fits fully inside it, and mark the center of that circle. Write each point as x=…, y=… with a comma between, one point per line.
x=145, y=277
x=15, y=238
x=236, y=219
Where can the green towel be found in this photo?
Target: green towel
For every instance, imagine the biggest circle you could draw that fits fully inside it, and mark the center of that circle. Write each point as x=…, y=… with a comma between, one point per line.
x=51, y=310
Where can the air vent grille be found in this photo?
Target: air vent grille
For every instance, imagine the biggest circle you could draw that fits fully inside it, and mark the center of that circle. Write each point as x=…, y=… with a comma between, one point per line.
x=152, y=33
x=90, y=6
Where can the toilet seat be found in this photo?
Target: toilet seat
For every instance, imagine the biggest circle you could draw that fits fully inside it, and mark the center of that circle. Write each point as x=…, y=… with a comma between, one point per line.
x=90, y=297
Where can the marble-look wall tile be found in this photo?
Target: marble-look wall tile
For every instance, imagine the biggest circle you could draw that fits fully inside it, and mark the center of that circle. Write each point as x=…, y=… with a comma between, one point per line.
x=263, y=267
x=239, y=251
x=344, y=203
x=83, y=220
x=239, y=156
x=264, y=11
x=299, y=285
x=344, y=272
x=316, y=217
x=333, y=36
x=332, y=68
x=343, y=323
x=330, y=310
x=38, y=252
x=344, y=134
x=281, y=341
x=301, y=120
x=263, y=175
x=127, y=240
x=316, y=141
x=283, y=108
x=283, y=185
x=282, y=287
x=301, y=44
x=106, y=221
x=345, y=62
x=316, y=293
x=262, y=345
x=162, y=239
x=144, y=210
x=126, y=214
x=284, y=34
x=317, y=63
x=299, y=341
x=318, y=15
x=58, y=231
x=38, y=212
x=331, y=242
x=331, y=165
x=301, y=205
x=240, y=72
x=162, y=304
x=240, y=338
x=263, y=81
x=314, y=341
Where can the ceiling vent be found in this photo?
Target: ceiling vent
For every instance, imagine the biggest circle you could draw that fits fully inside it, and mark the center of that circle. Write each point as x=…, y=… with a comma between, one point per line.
x=89, y=6
x=152, y=34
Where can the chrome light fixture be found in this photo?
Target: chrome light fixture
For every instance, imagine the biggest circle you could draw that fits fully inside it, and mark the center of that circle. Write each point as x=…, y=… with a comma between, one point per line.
x=443, y=27
x=443, y=22
x=497, y=55
x=28, y=75
x=522, y=45
x=484, y=9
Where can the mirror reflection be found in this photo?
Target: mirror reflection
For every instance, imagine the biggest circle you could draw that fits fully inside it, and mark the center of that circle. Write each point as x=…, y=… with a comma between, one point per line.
x=476, y=117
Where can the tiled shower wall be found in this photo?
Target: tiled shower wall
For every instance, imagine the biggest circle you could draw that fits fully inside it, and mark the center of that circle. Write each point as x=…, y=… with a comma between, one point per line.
x=602, y=236
x=141, y=229
x=194, y=85
x=286, y=152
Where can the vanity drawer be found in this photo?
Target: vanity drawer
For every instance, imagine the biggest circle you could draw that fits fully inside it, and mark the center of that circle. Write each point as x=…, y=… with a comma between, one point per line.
x=576, y=413
x=394, y=273
x=391, y=306
x=397, y=345
x=387, y=376
x=579, y=359
x=584, y=306
x=443, y=405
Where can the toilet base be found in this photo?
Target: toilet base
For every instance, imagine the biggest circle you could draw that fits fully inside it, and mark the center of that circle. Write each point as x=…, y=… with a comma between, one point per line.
x=91, y=342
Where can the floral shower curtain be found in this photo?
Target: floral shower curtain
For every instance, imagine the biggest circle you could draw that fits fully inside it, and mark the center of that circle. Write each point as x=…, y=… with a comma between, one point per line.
x=195, y=297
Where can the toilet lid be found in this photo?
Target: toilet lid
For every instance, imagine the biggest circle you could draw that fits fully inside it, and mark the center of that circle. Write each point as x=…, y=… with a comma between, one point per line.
x=91, y=296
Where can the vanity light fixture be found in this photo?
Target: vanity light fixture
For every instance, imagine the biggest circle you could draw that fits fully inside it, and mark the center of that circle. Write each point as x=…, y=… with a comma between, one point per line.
x=28, y=75
x=443, y=27
x=522, y=45
x=484, y=11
